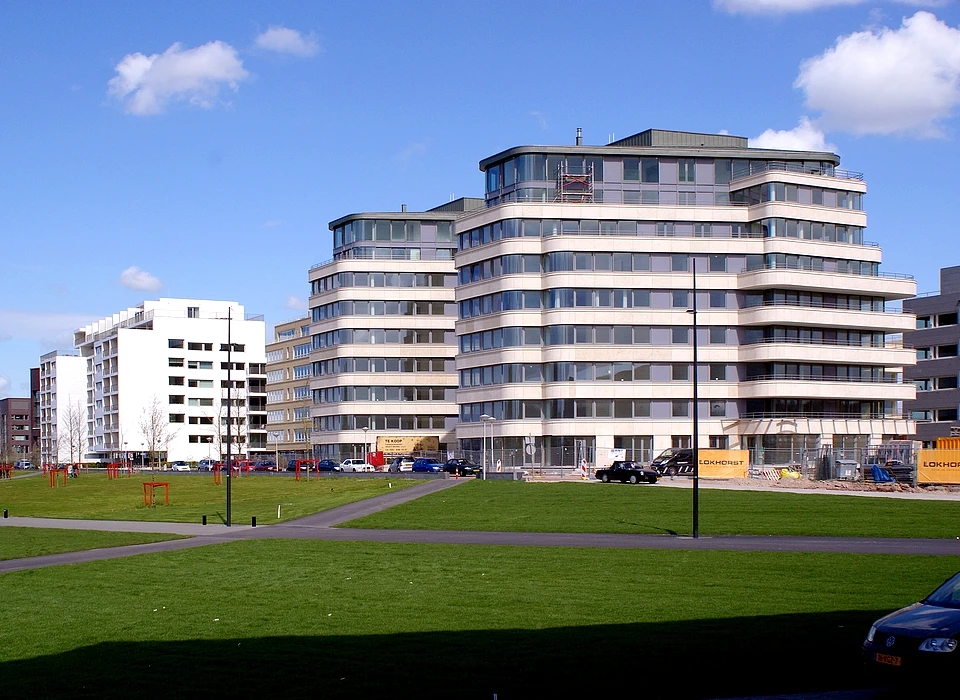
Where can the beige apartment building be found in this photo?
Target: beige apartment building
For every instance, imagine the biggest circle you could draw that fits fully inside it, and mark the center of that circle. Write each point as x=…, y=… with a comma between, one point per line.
x=288, y=391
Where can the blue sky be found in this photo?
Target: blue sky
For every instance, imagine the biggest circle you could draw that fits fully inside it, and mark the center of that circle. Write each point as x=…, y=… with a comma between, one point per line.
x=198, y=150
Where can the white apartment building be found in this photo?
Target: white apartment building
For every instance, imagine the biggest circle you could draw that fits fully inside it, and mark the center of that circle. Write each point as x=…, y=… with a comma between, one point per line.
x=63, y=382
x=161, y=378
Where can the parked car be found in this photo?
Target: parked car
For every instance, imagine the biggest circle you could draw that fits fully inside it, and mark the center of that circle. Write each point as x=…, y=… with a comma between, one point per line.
x=673, y=461
x=427, y=464
x=179, y=466
x=206, y=465
x=264, y=465
x=464, y=467
x=356, y=465
x=401, y=464
x=23, y=464
x=918, y=641
x=323, y=465
x=624, y=471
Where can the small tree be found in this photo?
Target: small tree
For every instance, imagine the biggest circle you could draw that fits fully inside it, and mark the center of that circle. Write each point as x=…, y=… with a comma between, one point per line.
x=155, y=428
x=72, y=430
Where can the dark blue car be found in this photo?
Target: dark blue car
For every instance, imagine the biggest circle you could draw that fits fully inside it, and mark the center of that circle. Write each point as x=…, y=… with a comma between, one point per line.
x=427, y=464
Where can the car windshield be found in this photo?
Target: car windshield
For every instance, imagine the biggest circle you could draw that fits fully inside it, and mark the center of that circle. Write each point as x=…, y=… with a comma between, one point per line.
x=947, y=595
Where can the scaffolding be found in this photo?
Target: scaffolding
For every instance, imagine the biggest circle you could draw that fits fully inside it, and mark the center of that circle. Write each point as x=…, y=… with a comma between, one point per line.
x=574, y=186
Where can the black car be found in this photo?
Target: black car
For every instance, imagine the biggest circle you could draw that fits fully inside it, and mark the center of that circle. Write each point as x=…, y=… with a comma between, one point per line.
x=624, y=471
x=673, y=461
x=920, y=640
x=324, y=465
x=464, y=467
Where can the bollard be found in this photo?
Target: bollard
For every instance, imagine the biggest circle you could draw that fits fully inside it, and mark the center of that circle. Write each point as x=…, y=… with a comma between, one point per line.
x=203, y=519
x=253, y=521
x=5, y=513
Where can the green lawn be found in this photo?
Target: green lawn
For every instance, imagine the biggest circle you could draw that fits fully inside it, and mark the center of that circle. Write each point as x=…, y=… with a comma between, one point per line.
x=95, y=497
x=519, y=506
x=347, y=619
x=18, y=542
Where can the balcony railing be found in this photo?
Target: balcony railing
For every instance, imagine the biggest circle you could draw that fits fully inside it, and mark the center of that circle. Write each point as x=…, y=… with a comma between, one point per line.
x=778, y=265
x=809, y=378
x=758, y=167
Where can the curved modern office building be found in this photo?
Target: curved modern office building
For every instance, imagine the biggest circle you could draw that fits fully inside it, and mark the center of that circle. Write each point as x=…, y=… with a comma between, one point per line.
x=575, y=287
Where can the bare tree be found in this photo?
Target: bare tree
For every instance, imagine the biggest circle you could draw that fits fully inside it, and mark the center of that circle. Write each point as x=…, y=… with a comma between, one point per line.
x=155, y=428
x=72, y=427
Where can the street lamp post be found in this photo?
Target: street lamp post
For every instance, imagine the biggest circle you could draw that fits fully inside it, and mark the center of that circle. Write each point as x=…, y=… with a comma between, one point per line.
x=276, y=447
x=365, y=451
x=696, y=411
x=484, y=419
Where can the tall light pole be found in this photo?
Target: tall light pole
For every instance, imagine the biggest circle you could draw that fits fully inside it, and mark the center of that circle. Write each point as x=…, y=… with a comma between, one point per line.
x=229, y=432
x=696, y=411
x=484, y=419
x=365, y=451
x=276, y=447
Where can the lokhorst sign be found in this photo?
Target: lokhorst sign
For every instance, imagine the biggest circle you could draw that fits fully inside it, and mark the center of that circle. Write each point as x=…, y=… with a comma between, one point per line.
x=403, y=445
x=724, y=464
x=938, y=467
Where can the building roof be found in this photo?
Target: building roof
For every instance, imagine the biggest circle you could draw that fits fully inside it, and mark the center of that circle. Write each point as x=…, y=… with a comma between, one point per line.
x=661, y=142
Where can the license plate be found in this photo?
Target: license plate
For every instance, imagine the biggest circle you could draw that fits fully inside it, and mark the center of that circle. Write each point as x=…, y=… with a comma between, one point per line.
x=889, y=660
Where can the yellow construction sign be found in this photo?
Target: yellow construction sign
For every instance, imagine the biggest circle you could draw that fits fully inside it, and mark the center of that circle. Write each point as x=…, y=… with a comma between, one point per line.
x=724, y=464
x=938, y=466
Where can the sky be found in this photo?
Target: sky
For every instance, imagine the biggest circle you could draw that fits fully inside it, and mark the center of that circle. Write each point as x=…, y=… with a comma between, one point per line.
x=199, y=150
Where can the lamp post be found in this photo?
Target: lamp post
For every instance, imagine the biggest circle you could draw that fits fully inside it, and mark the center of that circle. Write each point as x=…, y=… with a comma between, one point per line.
x=276, y=447
x=696, y=411
x=365, y=429
x=229, y=431
x=484, y=419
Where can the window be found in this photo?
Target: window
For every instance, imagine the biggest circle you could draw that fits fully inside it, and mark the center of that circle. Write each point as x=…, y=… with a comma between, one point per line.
x=924, y=353
x=175, y=381
x=719, y=442
x=200, y=402
x=718, y=300
x=680, y=335
x=201, y=383
x=193, y=312
x=176, y=398
x=681, y=299
x=680, y=373
x=678, y=263
x=680, y=409
x=718, y=263
x=176, y=418
x=924, y=322
x=195, y=364
x=718, y=373
x=687, y=170
x=175, y=343
x=947, y=414
x=718, y=336
x=650, y=169
x=175, y=362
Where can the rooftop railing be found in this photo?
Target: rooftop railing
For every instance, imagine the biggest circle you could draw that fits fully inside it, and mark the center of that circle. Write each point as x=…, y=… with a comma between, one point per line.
x=757, y=167
x=777, y=265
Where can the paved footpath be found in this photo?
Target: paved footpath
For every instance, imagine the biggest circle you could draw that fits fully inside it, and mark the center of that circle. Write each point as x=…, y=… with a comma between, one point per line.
x=319, y=526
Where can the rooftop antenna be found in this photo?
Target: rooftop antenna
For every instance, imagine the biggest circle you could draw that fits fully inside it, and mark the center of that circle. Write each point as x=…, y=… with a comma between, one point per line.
x=579, y=136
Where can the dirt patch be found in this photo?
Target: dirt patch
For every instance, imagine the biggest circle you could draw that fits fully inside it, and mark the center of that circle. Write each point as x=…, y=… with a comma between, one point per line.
x=837, y=485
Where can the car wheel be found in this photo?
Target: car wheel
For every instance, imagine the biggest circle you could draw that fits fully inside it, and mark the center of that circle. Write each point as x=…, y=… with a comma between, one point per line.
x=671, y=471
x=633, y=478
x=604, y=478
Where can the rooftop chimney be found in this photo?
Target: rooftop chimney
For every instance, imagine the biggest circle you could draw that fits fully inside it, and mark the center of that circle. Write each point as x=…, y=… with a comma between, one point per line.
x=403, y=207
x=579, y=136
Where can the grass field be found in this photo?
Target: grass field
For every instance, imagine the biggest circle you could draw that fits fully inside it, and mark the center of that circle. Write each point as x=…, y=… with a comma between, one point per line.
x=93, y=496
x=17, y=542
x=518, y=506
x=330, y=619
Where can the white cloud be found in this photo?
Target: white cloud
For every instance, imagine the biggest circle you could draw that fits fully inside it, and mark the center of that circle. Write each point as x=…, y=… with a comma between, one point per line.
x=410, y=151
x=50, y=329
x=887, y=81
x=296, y=303
x=777, y=7
x=804, y=137
x=147, y=84
x=4, y=386
x=288, y=41
x=272, y=223
x=540, y=119
x=135, y=278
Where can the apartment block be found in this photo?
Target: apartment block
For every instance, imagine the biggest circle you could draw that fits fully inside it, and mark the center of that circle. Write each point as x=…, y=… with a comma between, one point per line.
x=383, y=343
x=164, y=378
x=63, y=407
x=289, y=370
x=935, y=340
